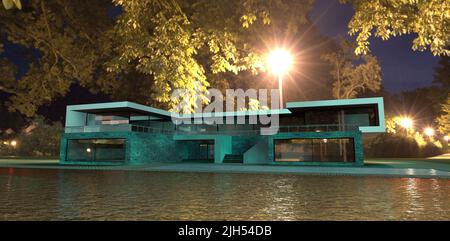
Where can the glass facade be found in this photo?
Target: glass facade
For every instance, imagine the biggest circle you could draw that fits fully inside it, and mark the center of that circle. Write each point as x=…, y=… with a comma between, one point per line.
x=96, y=150
x=202, y=150
x=314, y=150
x=350, y=116
x=96, y=119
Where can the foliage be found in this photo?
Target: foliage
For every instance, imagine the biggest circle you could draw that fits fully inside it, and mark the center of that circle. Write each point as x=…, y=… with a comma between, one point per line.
x=144, y=51
x=7, y=77
x=407, y=142
x=388, y=145
x=443, y=120
x=185, y=44
x=442, y=73
x=350, y=80
x=10, y=4
x=392, y=145
x=68, y=36
x=38, y=139
x=429, y=20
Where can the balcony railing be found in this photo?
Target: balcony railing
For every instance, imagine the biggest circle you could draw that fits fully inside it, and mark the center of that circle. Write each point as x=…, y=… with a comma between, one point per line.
x=202, y=130
x=99, y=128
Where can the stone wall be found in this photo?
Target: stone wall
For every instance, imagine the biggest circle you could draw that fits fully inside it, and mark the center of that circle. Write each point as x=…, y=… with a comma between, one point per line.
x=147, y=148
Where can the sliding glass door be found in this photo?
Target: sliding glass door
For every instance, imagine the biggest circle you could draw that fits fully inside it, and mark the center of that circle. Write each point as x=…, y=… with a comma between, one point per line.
x=96, y=150
x=314, y=150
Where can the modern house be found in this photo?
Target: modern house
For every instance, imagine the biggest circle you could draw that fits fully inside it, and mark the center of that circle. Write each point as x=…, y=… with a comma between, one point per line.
x=326, y=132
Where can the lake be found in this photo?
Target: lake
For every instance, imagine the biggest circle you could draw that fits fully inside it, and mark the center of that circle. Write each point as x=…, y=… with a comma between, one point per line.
x=50, y=194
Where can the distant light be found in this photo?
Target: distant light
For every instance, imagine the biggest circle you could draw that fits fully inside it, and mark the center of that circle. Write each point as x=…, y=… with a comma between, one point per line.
x=13, y=143
x=6, y=143
x=279, y=61
x=406, y=122
x=446, y=138
x=429, y=131
x=325, y=140
x=88, y=150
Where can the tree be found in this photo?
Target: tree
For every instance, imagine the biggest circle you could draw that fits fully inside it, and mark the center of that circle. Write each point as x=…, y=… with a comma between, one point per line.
x=40, y=138
x=350, y=80
x=442, y=73
x=10, y=4
x=192, y=44
x=7, y=70
x=69, y=44
x=146, y=50
x=443, y=120
x=428, y=19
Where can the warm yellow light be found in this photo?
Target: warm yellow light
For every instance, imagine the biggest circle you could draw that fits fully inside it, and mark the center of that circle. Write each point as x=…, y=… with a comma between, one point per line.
x=13, y=143
x=429, y=131
x=406, y=122
x=279, y=61
x=446, y=138
x=88, y=150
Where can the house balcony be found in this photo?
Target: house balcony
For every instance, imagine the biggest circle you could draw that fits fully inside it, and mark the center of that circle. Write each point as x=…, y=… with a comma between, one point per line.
x=230, y=130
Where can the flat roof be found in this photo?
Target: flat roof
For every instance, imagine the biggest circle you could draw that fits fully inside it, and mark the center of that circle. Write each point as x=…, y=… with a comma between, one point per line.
x=335, y=103
x=131, y=108
x=123, y=107
x=234, y=113
x=126, y=107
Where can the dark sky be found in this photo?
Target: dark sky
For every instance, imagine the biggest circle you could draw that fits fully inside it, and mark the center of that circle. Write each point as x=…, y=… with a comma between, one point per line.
x=403, y=68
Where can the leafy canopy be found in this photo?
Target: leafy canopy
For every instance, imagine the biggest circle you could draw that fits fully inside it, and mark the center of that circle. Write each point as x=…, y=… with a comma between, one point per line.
x=429, y=20
x=65, y=39
x=145, y=51
x=443, y=120
x=185, y=44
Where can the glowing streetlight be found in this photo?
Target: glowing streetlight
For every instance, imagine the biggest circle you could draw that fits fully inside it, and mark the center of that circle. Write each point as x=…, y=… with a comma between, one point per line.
x=88, y=150
x=406, y=122
x=429, y=131
x=13, y=143
x=280, y=61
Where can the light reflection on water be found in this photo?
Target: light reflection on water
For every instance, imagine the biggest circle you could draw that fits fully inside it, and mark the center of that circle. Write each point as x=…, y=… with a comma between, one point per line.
x=33, y=194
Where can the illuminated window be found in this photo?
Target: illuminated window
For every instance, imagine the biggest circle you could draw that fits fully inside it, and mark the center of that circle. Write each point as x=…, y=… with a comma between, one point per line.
x=96, y=150
x=314, y=150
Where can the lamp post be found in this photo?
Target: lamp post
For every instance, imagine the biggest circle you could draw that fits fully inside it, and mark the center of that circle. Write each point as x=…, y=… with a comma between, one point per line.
x=429, y=132
x=407, y=124
x=446, y=138
x=279, y=61
x=13, y=143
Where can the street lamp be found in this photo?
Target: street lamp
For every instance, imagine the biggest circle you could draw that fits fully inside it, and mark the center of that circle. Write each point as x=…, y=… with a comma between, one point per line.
x=429, y=131
x=280, y=61
x=13, y=143
x=406, y=122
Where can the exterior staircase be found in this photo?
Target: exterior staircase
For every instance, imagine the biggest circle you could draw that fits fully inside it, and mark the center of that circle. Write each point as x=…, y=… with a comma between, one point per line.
x=231, y=158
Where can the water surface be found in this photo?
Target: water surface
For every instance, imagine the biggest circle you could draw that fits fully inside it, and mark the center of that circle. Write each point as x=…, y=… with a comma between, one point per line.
x=39, y=194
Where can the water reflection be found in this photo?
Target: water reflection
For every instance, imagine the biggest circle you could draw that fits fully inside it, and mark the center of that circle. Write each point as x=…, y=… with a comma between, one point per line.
x=32, y=194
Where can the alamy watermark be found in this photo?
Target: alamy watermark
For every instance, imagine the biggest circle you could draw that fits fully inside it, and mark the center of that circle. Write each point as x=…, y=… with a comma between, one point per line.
x=248, y=107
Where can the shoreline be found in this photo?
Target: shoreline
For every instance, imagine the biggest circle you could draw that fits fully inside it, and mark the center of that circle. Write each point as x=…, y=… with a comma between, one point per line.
x=371, y=169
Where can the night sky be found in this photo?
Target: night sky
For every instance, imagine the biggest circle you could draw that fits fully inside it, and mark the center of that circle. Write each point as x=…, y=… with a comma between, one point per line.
x=403, y=68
